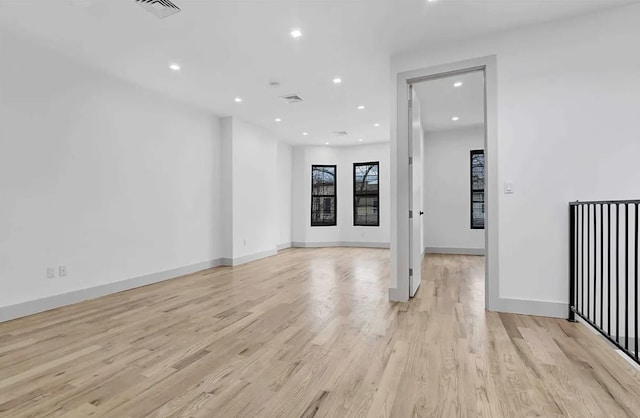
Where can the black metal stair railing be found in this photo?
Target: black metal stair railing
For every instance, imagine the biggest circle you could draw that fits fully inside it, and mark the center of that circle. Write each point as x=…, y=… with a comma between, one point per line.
x=603, y=285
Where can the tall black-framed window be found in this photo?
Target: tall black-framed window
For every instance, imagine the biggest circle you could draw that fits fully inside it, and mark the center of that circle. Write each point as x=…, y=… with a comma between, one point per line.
x=323, y=195
x=477, y=189
x=366, y=194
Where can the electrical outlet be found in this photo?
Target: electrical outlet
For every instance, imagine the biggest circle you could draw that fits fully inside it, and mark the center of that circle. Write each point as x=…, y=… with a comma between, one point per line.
x=62, y=271
x=508, y=187
x=51, y=273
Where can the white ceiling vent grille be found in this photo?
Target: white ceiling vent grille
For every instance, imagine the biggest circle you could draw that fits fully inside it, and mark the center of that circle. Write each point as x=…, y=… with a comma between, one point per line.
x=159, y=8
x=341, y=133
x=292, y=98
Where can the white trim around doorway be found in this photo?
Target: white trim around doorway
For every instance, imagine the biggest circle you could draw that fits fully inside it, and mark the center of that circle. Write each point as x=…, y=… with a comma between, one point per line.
x=400, y=153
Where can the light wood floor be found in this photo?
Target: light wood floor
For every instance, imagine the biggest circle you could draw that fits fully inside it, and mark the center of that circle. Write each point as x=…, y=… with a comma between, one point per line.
x=308, y=333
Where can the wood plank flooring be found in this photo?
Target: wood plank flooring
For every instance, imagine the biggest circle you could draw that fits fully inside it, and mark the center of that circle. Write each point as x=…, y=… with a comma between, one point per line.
x=309, y=333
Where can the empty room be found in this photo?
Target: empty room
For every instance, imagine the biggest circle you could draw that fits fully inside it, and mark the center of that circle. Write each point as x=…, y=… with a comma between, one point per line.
x=399, y=208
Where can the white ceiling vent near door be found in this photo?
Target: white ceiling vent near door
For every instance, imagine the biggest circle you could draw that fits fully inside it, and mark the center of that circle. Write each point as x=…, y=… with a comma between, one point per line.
x=341, y=133
x=292, y=98
x=159, y=8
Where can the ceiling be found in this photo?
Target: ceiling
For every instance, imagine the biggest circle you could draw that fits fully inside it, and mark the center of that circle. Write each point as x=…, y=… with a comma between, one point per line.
x=442, y=99
x=234, y=48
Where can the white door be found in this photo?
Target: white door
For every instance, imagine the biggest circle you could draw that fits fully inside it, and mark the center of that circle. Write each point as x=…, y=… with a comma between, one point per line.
x=415, y=195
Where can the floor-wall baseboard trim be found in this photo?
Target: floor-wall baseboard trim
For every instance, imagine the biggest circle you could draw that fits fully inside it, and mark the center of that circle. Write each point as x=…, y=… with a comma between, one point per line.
x=456, y=251
x=514, y=306
x=340, y=244
x=284, y=246
x=533, y=307
x=27, y=308
x=236, y=261
x=395, y=295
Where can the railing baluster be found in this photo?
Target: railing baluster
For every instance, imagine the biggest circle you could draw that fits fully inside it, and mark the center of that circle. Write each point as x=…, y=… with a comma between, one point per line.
x=572, y=261
x=601, y=265
x=582, y=259
x=635, y=287
x=609, y=269
x=617, y=273
x=595, y=262
x=626, y=276
x=588, y=260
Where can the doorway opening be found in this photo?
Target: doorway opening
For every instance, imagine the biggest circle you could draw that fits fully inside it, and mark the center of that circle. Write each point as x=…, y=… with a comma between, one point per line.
x=446, y=126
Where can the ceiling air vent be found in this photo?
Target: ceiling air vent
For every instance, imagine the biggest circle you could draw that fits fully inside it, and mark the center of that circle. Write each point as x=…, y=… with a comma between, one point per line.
x=292, y=98
x=159, y=8
x=341, y=133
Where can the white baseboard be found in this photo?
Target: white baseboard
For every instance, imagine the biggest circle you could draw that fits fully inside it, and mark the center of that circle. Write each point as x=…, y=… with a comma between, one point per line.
x=533, y=307
x=457, y=251
x=514, y=306
x=236, y=261
x=19, y=310
x=341, y=244
x=284, y=246
x=613, y=347
x=627, y=358
x=396, y=296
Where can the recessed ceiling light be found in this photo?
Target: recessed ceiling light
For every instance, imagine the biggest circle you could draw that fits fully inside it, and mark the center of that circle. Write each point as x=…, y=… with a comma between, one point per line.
x=296, y=33
x=238, y=99
x=360, y=107
x=326, y=143
x=305, y=133
x=376, y=124
x=337, y=80
x=360, y=140
x=431, y=1
x=457, y=84
x=278, y=120
x=455, y=118
x=174, y=67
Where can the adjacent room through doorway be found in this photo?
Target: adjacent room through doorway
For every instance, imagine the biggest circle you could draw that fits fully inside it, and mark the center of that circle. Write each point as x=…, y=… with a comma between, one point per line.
x=447, y=172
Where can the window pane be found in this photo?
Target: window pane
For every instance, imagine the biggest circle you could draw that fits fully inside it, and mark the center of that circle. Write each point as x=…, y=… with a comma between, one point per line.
x=366, y=211
x=477, y=171
x=366, y=179
x=477, y=189
x=323, y=190
x=323, y=180
x=477, y=220
x=366, y=194
x=323, y=211
x=323, y=194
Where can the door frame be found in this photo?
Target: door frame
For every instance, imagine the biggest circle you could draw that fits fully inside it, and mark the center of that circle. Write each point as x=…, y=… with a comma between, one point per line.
x=401, y=237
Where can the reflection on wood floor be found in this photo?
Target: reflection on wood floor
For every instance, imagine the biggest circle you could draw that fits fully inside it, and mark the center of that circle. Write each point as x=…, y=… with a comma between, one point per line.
x=309, y=332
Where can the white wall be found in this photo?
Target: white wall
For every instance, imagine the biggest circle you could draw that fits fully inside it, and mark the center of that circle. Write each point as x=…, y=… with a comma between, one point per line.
x=447, y=198
x=568, y=99
x=108, y=179
x=284, y=183
x=257, y=191
x=255, y=230
x=227, y=187
x=345, y=231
